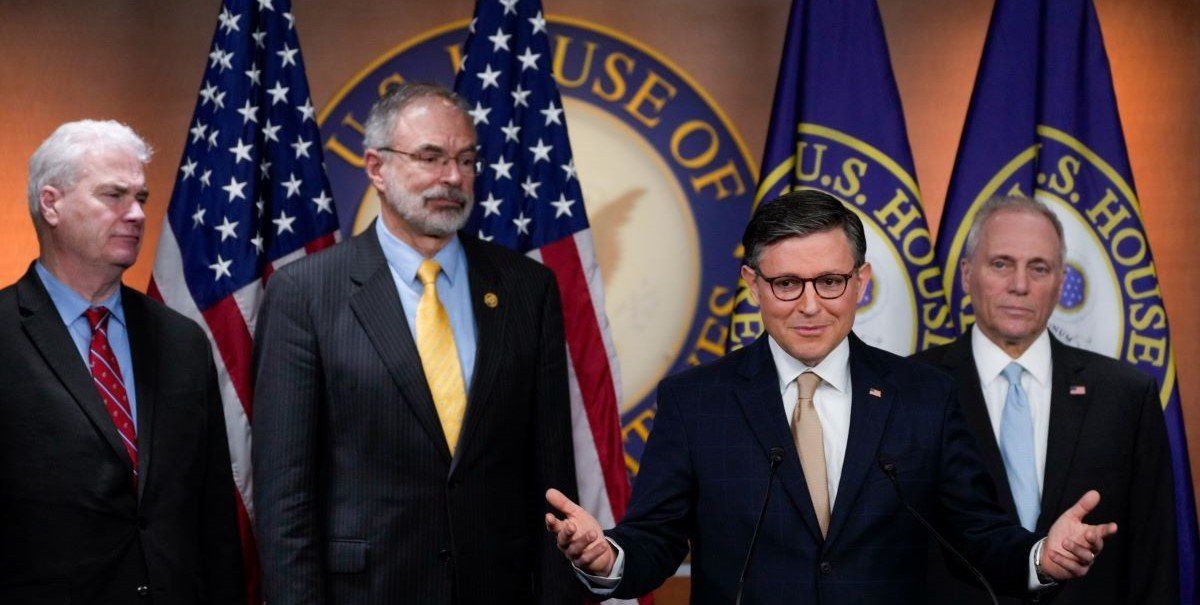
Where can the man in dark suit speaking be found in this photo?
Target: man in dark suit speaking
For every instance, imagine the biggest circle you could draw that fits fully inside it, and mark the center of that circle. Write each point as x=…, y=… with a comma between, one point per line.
x=117, y=483
x=836, y=417
x=411, y=404
x=1053, y=421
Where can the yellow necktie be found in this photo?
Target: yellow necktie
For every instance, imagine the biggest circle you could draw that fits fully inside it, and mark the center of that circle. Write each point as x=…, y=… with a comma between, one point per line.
x=439, y=356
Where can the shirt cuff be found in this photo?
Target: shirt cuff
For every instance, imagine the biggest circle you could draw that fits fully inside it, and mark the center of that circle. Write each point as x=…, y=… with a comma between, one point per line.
x=1036, y=584
x=603, y=586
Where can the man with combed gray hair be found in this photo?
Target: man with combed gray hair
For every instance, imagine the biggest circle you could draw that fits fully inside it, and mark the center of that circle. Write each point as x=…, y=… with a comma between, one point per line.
x=116, y=472
x=1054, y=421
x=411, y=396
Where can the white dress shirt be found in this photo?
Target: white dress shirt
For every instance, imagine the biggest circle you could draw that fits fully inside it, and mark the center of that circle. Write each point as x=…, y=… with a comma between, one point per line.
x=990, y=361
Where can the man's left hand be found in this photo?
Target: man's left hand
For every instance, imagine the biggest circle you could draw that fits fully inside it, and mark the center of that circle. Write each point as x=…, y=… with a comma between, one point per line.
x=1072, y=545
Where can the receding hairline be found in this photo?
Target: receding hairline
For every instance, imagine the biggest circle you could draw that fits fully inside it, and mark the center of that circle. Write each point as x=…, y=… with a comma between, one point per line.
x=1015, y=209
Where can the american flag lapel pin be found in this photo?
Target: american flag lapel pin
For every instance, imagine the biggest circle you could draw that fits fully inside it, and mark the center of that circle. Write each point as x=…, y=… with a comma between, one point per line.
x=875, y=392
x=1078, y=389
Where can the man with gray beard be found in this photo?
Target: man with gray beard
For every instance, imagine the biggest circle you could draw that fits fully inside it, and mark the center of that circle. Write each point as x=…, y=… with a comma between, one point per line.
x=411, y=402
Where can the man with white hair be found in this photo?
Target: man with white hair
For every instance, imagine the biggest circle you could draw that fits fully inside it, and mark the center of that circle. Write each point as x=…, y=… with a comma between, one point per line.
x=116, y=472
x=411, y=401
x=1054, y=421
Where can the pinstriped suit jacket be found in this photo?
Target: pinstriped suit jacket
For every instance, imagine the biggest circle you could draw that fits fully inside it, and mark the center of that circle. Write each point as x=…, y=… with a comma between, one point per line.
x=358, y=498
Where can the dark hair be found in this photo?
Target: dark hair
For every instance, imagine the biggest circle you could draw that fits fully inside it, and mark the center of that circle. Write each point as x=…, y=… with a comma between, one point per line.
x=797, y=214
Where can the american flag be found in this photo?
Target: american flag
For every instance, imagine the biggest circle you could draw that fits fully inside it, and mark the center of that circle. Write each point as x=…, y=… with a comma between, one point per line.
x=251, y=195
x=529, y=199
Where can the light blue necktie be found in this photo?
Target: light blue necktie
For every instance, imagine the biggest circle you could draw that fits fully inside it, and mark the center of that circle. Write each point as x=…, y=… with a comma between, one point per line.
x=1016, y=446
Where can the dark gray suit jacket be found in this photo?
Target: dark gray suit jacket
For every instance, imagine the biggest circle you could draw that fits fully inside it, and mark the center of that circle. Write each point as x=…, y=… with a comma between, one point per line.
x=1110, y=438
x=72, y=527
x=357, y=495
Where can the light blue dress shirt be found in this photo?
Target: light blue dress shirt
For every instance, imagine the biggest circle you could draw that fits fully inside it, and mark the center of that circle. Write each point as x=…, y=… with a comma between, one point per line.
x=453, y=288
x=71, y=306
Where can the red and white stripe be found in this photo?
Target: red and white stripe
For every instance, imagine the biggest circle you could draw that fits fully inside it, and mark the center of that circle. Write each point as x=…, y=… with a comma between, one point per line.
x=229, y=325
x=594, y=379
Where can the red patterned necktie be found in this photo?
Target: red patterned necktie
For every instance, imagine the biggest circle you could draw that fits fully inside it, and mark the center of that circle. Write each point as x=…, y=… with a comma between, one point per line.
x=109, y=383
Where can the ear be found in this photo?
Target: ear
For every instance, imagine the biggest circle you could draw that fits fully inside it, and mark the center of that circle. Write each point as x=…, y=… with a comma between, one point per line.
x=1061, y=279
x=48, y=205
x=751, y=279
x=373, y=163
x=964, y=275
x=864, y=278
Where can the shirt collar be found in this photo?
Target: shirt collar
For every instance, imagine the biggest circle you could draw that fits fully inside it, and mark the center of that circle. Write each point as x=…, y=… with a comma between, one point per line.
x=405, y=260
x=834, y=369
x=70, y=304
x=991, y=360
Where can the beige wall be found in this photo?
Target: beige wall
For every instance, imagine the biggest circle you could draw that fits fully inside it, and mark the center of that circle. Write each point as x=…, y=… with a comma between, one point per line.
x=141, y=62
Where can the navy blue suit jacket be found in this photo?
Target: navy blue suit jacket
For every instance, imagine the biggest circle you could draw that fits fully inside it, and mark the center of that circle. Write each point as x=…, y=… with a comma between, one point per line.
x=705, y=469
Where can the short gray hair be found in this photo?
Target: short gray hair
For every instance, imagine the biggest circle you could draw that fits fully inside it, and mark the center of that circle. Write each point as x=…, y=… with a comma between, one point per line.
x=59, y=159
x=1012, y=203
x=382, y=119
x=797, y=214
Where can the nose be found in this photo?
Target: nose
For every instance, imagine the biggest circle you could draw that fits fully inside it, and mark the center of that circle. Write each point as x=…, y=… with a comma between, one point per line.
x=135, y=214
x=808, y=304
x=1019, y=284
x=452, y=173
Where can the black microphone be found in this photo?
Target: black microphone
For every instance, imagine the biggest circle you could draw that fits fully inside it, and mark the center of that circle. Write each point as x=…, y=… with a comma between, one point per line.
x=776, y=458
x=889, y=469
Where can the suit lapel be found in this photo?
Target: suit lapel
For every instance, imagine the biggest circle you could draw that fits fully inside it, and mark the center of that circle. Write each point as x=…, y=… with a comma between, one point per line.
x=961, y=361
x=763, y=407
x=44, y=327
x=1067, y=413
x=145, y=372
x=377, y=306
x=490, y=329
x=868, y=418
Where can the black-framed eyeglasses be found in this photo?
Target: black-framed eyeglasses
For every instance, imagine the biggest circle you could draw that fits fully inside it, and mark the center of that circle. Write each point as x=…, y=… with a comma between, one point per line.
x=436, y=160
x=791, y=287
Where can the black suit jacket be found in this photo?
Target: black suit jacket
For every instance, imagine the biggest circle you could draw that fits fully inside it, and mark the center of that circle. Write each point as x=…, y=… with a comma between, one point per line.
x=357, y=495
x=705, y=469
x=1110, y=437
x=72, y=527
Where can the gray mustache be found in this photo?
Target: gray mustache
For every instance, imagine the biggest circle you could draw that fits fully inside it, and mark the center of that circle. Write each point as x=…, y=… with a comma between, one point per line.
x=448, y=193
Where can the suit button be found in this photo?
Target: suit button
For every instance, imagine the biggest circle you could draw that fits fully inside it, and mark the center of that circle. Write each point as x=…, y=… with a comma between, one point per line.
x=826, y=568
x=444, y=555
x=143, y=591
x=143, y=522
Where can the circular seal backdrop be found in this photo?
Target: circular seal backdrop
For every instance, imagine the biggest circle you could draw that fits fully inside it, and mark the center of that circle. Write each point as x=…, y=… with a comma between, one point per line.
x=1110, y=302
x=667, y=182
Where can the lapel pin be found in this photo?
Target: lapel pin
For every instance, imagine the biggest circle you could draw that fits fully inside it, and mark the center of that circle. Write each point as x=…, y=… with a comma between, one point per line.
x=875, y=393
x=491, y=300
x=1078, y=389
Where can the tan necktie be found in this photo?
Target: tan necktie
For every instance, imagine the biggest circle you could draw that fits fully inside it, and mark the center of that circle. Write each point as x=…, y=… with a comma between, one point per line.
x=439, y=356
x=806, y=431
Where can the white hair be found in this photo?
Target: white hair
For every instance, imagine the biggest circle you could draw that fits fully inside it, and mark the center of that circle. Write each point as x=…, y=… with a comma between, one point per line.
x=381, y=120
x=58, y=160
x=1012, y=203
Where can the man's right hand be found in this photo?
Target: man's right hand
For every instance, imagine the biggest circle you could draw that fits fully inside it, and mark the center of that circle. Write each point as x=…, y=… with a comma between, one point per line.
x=579, y=536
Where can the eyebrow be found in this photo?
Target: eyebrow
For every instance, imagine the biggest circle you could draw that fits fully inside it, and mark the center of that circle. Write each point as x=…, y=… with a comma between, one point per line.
x=1036, y=259
x=122, y=189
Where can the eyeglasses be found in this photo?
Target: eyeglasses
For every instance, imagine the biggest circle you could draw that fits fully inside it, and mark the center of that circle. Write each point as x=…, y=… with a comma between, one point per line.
x=434, y=161
x=790, y=287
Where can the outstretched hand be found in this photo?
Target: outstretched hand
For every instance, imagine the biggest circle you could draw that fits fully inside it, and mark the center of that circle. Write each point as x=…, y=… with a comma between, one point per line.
x=579, y=536
x=1072, y=545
